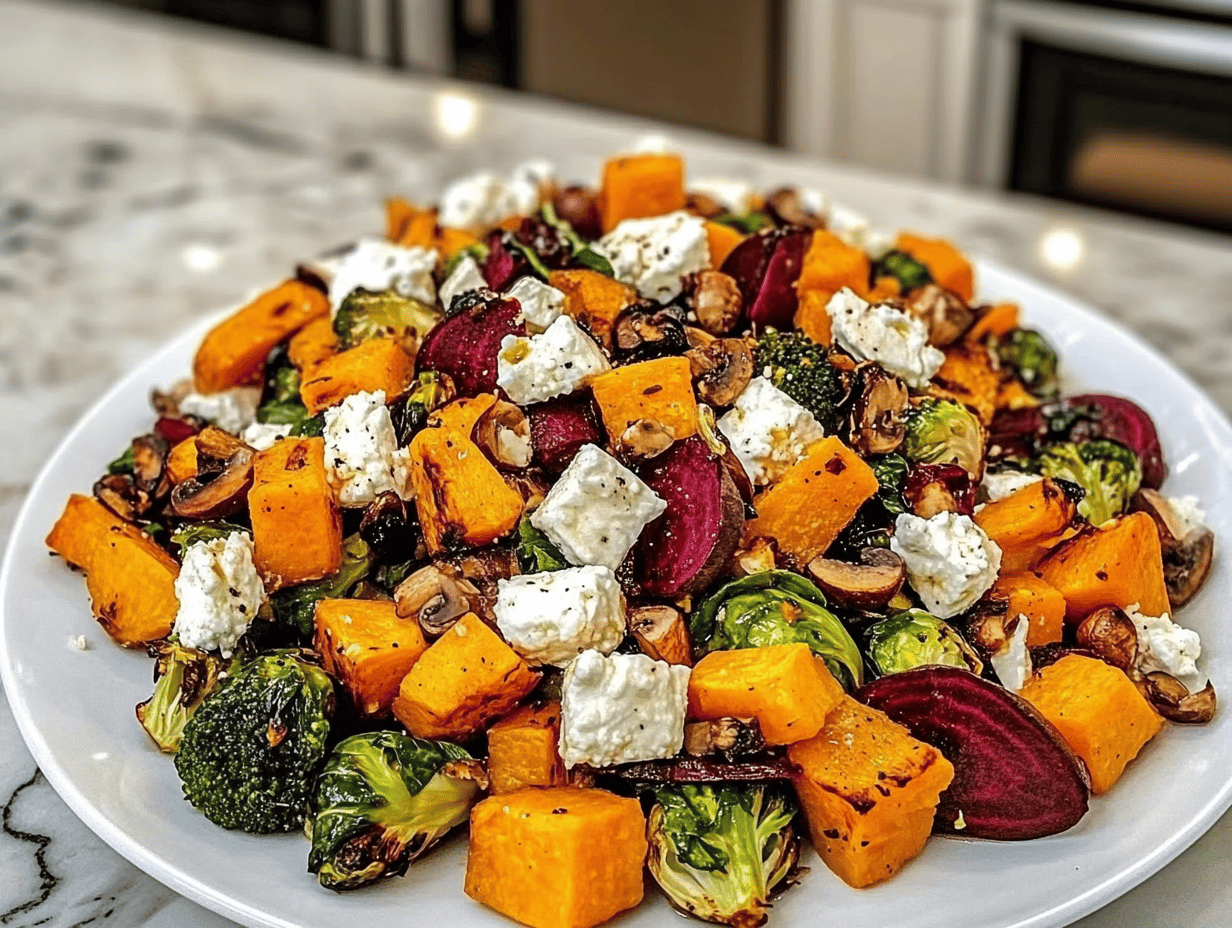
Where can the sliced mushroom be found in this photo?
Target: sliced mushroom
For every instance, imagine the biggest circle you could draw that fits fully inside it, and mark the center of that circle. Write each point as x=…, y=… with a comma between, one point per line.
x=1188, y=551
x=122, y=496
x=662, y=633
x=721, y=370
x=435, y=599
x=869, y=584
x=1110, y=633
x=503, y=433
x=531, y=484
x=167, y=402
x=988, y=626
x=1173, y=701
x=644, y=439
x=729, y=737
x=699, y=204
x=945, y=314
x=646, y=330
x=149, y=458
x=877, y=414
x=478, y=574
x=219, y=497
x=787, y=208
x=715, y=300
x=216, y=448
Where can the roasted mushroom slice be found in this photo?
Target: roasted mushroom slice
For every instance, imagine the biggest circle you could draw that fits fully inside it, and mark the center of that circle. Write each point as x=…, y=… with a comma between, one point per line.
x=149, y=458
x=503, y=433
x=662, y=633
x=877, y=413
x=644, y=439
x=646, y=330
x=219, y=497
x=721, y=370
x=435, y=598
x=945, y=314
x=1110, y=633
x=1173, y=700
x=869, y=584
x=714, y=298
x=730, y=738
x=216, y=448
x=788, y=209
x=120, y=494
x=1188, y=550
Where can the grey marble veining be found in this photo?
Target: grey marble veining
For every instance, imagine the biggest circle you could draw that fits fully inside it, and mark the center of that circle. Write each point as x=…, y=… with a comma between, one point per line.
x=152, y=172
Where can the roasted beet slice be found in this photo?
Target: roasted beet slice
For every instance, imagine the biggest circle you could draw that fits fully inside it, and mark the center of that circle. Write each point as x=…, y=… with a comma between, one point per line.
x=766, y=266
x=465, y=345
x=559, y=427
x=1014, y=776
x=747, y=263
x=685, y=548
x=933, y=488
x=504, y=263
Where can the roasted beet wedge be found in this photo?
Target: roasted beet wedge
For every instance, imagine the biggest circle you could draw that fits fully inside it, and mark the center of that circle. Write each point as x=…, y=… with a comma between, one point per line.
x=465, y=345
x=504, y=263
x=1014, y=777
x=559, y=427
x=766, y=267
x=685, y=548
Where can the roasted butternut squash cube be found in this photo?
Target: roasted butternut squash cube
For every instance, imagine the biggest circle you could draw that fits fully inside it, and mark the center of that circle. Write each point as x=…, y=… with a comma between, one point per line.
x=830, y=264
x=375, y=364
x=1028, y=523
x=814, y=500
x=557, y=858
x=722, y=241
x=660, y=390
x=1037, y=599
x=1098, y=711
x=811, y=316
x=637, y=186
x=869, y=792
x=296, y=526
x=786, y=687
x=593, y=300
x=234, y=350
x=313, y=344
x=999, y=319
x=949, y=267
x=130, y=579
x=369, y=647
x=969, y=376
x=467, y=678
x=182, y=460
x=1117, y=565
x=522, y=749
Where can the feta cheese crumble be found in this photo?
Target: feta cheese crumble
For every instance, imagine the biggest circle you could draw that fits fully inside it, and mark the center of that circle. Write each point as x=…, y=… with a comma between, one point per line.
x=361, y=450
x=855, y=229
x=541, y=304
x=654, y=254
x=597, y=509
x=231, y=410
x=881, y=333
x=621, y=708
x=1012, y=662
x=537, y=368
x=552, y=617
x=219, y=593
x=735, y=196
x=377, y=265
x=78, y=643
x=997, y=485
x=484, y=199
x=768, y=431
x=950, y=562
x=260, y=436
x=1165, y=646
x=465, y=278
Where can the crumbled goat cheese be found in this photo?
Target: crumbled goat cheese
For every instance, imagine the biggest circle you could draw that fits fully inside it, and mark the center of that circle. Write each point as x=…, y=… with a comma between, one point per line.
x=78, y=643
x=768, y=430
x=1165, y=646
x=735, y=196
x=855, y=230
x=814, y=201
x=1012, y=662
x=219, y=593
x=260, y=436
x=597, y=509
x=376, y=265
x=654, y=254
x=361, y=450
x=950, y=562
x=484, y=199
x=997, y=485
x=537, y=368
x=881, y=333
x=552, y=617
x=541, y=304
x=652, y=143
x=1189, y=512
x=621, y=708
x=465, y=278
x=231, y=410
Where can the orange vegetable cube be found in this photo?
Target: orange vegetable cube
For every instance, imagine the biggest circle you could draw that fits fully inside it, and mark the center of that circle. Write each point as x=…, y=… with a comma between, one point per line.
x=1098, y=711
x=814, y=500
x=594, y=300
x=234, y=350
x=182, y=460
x=467, y=678
x=811, y=316
x=1028, y=523
x=830, y=264
x=1037, y=599
x=949, y=267
x=785, y=687
x=869, y=792
x=296, y=526
x=522, y=749
x=660, y=390
x=375, y=364
x=999, y=319
x=722, y=241
x=313, y=344
x=557, y=858
x=369, y=647
x=969, y=375
x=637, y=186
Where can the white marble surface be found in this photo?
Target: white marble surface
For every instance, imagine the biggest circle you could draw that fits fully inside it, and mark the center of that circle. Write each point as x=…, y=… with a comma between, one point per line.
x=151, y=172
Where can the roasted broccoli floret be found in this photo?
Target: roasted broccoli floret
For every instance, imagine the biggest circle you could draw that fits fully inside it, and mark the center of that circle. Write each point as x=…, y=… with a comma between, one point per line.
x=251, y=752
x=916, y=638
x=382, y=801
x=720, y=853
x=801, y=368
x=909, y=272
x=1108, y=472
x=183, y=678
x=944, y=432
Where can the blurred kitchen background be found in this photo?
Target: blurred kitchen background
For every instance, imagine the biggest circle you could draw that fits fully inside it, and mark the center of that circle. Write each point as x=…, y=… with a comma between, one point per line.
x=1121, y=104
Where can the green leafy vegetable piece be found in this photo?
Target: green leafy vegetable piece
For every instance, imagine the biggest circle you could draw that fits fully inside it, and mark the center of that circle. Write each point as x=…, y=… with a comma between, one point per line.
x=916, y=638
x=311, y=427
x=1108, y=472
x=748, y=223
x=535, y=551
x=583, y=254
x=184, y=677
x=891, y=473
x=943, y=432
x=295, y=608
x=531, y=256
x=190, y=533
x=909, y=272
x=124, y=464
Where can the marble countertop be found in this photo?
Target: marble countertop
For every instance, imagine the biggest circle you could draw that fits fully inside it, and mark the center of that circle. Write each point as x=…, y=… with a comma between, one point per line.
x=153, y=171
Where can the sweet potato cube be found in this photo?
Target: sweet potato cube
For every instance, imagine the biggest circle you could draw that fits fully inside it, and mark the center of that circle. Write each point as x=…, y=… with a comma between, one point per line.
x=467, y=678
x=1098, y=711
x=234, y=350
x=557, y=858
x=785, y=687
x=1028, y=523
x=869, y=792
x=999, y=319
x=369, y=647
x=375, y=364
x=522, y=749
x=660, y=390
x=949, y=267
x=594, y=300
x=969, y=376
x=830, y=264
x=814, y=500
x=296, y=526
x=722, y=241
x=637, y=186
x=131, y=580
x=182, y=460
x=313, y=344
x=812, y=318
x=1117, y=565
x=1037, y=599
